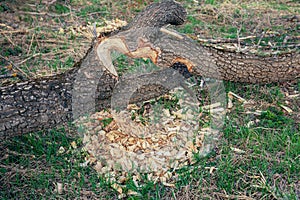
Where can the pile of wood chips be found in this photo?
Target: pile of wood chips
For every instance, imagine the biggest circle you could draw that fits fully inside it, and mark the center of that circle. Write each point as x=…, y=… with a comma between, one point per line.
x=120, y=143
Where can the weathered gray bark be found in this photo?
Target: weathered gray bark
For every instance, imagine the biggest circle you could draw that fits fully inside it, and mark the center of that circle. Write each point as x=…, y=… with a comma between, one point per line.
x=237, y=67
x=45, y=103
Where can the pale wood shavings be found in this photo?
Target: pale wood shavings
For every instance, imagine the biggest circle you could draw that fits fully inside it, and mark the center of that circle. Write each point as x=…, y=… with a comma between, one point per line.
x=127, y=145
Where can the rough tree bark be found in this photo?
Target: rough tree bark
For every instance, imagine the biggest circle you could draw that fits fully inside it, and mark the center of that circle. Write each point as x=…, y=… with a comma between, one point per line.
x=50, y=101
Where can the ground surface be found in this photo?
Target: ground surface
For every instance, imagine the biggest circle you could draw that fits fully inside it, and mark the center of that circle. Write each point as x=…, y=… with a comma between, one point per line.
x=258, y=156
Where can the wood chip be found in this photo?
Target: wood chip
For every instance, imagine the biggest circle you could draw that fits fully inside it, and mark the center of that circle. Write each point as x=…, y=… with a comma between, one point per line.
x=232, y=95
x=286, y=108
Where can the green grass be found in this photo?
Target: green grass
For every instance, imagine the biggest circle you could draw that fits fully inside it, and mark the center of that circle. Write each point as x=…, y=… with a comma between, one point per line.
x=272, y=148
x=212, y=2
x=37, y=165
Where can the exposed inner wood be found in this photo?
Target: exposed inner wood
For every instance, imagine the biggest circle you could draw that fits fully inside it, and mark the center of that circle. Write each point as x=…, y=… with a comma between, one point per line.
x=104, y=49
x=187, y=62
x=172, y=33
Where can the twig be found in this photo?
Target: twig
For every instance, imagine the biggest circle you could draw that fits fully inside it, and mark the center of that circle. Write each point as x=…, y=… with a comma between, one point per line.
x=30, y=44
x=15, y=169
x=215, y=41
x=45, y=13
x=286, y=38
x=226, y=196
x=6, y=26
x=19, y=154
x=261, y=37
x=53, y=41
x=15, y=66
x=51, y=2
x=238, y=38
x=23, y=61
x=71, y=15
x=280, y=47
x=16, y=31
x=94, y=13
x=37, y=43
x=263, y=128
x=8, y=39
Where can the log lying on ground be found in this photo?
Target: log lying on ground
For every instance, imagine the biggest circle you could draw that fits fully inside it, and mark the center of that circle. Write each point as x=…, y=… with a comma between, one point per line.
x=44, y=103
x=50, y=101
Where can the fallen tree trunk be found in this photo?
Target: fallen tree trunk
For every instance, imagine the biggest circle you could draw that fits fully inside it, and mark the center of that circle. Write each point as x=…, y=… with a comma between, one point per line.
x=50, y=101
